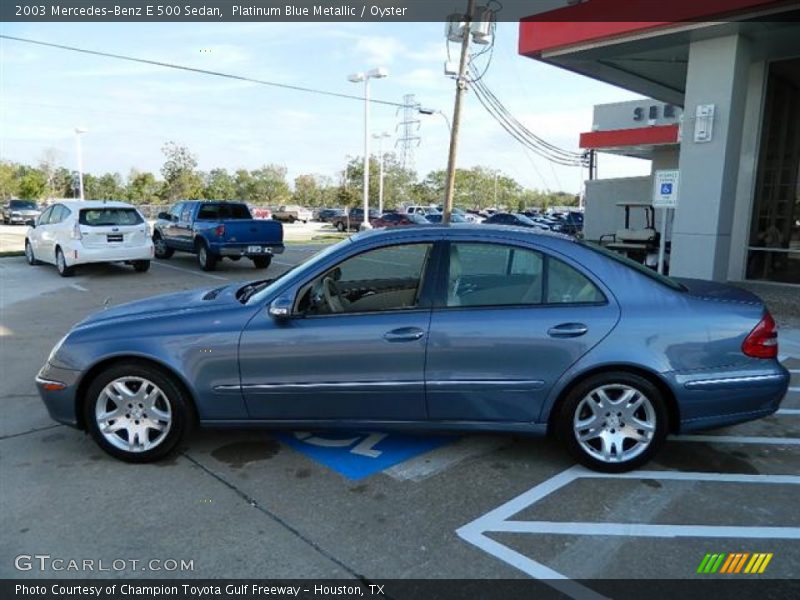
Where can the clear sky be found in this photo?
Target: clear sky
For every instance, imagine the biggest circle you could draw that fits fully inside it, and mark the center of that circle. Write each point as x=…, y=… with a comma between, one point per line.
x=132, y=109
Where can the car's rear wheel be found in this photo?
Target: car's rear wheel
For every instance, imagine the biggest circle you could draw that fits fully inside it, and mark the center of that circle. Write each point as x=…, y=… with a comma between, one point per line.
x=135, y=412
x=29, y=256
x=161, y=249
x=613, y=422
x=141, y=266
x=61, y=264
x=262, y=262
x=206, y=260
x=340, y=227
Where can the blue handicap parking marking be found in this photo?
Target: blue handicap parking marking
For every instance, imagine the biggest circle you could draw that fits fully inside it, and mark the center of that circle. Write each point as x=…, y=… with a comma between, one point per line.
x=666, y=188
x=359, y=454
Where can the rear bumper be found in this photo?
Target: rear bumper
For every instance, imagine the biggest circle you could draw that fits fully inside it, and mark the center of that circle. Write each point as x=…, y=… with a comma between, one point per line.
x=243, y=250
x=77, y=254
x=709, y=399
x=60, y=403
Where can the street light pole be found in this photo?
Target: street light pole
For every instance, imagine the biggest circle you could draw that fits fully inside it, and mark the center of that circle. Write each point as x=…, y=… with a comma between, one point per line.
x=461, y=85
x=380, y=137
x=377, y=73
x=78, y=132
x=433, y=111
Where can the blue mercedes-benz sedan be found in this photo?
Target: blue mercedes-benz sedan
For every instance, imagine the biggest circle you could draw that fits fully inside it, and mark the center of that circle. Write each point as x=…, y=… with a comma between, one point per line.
x=470, y=328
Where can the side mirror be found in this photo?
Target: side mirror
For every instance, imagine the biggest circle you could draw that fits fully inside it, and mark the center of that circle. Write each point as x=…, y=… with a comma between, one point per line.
x=31, y=223
x=164, y=216
x=281, y=308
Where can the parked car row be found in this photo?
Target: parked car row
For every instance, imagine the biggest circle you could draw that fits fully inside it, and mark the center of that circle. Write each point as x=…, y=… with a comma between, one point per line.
x=72, y=233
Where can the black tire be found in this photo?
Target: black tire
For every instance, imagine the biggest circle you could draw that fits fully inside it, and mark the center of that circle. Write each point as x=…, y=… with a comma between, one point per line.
x=292, y=220
x=206, y=260
x=340, y=227
x=61, y=265
x=141, y=266
x=29, y=256
x=178, y=403
x=262, y=262
x=620, y=381
x=162, y=251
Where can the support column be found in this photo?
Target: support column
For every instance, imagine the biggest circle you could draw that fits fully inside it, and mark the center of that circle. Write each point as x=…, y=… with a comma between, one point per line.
x=701, y=236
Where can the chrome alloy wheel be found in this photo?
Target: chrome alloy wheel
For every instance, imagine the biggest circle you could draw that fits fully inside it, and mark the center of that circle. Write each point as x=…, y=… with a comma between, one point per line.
x=614, y=423
x=133, y=414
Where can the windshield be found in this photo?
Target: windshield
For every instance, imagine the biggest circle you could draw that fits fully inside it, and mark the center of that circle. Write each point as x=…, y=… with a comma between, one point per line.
x=299, y=270
x=523, y=219
x=636, y=266
x=22, y=204
x=96, y=217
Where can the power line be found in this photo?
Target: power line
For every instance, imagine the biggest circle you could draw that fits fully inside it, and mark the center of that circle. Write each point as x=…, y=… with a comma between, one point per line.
x=157, y=63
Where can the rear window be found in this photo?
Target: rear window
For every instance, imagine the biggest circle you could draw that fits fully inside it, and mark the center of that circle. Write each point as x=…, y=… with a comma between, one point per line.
x=216, y=212
x=96, y=217
x=636, y=266
x=22, y=204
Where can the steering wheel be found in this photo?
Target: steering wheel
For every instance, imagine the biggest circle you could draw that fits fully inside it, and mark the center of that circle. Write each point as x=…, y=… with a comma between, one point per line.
x=332, y=296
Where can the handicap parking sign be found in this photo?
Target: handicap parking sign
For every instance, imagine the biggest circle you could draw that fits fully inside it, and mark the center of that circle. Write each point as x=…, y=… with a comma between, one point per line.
x=666, y=188
x=359, y=454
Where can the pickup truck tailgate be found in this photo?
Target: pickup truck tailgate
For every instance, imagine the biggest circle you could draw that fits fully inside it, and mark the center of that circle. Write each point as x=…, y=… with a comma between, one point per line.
x=262, y=232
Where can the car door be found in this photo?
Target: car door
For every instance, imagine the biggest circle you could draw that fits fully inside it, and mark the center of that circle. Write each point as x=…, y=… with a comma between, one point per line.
x=508, y=321
x=354, y=347
x=39, y=237
x=50, y=233
x=170, y=230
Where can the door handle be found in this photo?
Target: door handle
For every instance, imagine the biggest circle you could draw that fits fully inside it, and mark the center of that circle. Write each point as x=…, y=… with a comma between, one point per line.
x=566, y=330
x=404, y=334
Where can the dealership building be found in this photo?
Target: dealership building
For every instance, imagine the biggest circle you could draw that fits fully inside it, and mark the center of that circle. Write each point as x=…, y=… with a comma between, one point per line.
x=725, y=82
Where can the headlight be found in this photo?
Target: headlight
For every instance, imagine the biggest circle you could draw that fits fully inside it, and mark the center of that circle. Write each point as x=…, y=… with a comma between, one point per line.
x=56, y=348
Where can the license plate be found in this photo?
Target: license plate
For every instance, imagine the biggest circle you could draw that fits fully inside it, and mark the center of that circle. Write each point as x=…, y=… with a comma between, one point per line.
x=254, y=249
x=114, y=237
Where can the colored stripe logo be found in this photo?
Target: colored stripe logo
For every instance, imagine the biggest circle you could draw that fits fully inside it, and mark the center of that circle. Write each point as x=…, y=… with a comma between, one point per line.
x=733, y=563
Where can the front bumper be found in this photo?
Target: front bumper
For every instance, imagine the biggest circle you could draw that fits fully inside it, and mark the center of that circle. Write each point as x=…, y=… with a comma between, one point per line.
x=77, y=254
x=60, y=403
x=21, y=219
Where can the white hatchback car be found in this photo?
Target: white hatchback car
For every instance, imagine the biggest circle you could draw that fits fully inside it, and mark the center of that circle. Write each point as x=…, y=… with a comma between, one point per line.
x=71, y=233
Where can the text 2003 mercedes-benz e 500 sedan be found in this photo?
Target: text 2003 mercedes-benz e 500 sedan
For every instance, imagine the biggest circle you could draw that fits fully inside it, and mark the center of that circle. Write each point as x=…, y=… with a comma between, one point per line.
x=470, y=328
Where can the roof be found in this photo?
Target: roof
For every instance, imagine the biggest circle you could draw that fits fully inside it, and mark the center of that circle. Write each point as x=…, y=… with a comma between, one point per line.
x=95, y=204
x=439, y=231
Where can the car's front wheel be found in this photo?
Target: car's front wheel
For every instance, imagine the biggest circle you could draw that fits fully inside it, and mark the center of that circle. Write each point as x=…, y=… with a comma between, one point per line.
x=613, y=422
x=161, y=249
x=141, y=266
x=29, y=255
x=340, y=227
x=135, y=412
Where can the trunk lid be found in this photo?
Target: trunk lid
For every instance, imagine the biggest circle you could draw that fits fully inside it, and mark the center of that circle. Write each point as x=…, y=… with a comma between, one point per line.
x=720, y=292
x=255, y=231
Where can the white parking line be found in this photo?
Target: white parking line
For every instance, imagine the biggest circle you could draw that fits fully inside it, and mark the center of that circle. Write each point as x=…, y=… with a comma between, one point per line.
x=793, y=389
x=434, y=462
x=788, y=411
x=737, y=439
x=499, y=521
x=198, y=273
x=80, y=288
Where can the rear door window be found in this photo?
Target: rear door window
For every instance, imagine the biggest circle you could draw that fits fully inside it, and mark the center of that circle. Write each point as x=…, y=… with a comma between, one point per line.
x=99, y=217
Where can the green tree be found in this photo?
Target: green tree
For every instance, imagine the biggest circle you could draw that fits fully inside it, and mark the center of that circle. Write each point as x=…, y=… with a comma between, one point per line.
x=306, y=191
x=9, y=182
x=267, y=185
x=32, y=184
x=143, y=188
x=106, y=187
x=220, y=185
x=181, y=179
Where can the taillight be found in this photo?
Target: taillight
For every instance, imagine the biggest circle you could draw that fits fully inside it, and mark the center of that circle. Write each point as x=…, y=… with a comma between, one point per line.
x=76, y=231
x=219, y=230
x=762, y=342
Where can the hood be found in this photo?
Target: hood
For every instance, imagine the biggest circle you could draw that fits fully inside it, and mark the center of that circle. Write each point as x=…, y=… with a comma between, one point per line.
x=722, y=292
x=168, y=304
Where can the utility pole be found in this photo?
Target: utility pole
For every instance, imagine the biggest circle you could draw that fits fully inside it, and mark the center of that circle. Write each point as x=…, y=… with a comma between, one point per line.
x=461, y=85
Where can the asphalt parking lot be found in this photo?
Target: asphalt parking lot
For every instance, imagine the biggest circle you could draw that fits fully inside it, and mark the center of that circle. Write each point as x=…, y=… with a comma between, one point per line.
x=260, y=504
